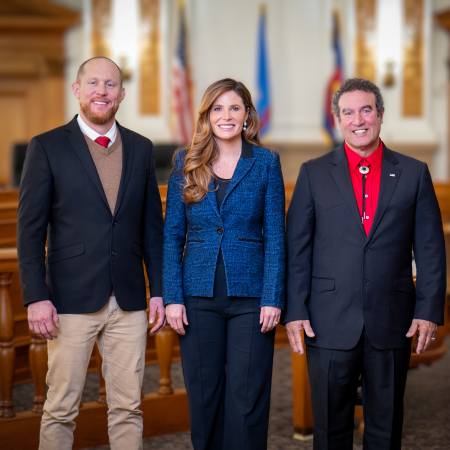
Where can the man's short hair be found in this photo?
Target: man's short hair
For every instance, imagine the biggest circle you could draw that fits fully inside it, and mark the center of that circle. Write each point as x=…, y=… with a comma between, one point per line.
x=357, y=84
x=81, y=69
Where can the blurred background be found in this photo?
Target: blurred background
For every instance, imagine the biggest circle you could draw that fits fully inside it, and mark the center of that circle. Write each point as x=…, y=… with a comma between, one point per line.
x=291, y=54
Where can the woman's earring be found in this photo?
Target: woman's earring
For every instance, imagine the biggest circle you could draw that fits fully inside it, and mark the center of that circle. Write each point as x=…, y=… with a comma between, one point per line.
x=245, y=125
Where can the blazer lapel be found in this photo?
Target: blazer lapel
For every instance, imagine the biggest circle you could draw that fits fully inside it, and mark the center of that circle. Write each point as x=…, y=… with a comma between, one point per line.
x=78, y=142
x=390, y=175
x=341, y=176
x=244, y=164
x=127, y=162
x=212, y=197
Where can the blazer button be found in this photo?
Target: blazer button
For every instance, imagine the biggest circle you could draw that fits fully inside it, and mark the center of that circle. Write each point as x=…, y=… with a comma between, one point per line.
x=114, y=253
x=367, y=250
x=114, y=224
x=219, y=230
x=366, y=282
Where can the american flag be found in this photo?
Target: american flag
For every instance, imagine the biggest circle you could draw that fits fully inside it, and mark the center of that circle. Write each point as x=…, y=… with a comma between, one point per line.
x=181, y=115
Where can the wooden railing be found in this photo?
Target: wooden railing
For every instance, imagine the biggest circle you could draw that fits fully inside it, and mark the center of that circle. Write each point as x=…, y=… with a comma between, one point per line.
x=13, y=341
x=23, y=356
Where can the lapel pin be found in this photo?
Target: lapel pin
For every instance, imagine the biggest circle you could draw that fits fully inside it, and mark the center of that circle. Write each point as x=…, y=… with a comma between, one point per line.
x=392, y=174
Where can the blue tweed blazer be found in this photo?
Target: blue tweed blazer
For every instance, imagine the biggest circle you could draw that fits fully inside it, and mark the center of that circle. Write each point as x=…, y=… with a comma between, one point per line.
x=249, y=227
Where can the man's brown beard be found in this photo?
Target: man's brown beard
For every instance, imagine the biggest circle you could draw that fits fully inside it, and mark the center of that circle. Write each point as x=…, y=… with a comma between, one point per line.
x=98, y=119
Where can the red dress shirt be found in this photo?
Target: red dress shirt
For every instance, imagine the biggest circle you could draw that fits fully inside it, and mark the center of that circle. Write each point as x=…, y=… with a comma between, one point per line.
x=372, y=190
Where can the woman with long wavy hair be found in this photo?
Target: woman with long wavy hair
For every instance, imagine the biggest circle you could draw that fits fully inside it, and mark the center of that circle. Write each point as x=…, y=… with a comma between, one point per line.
x=224, y=268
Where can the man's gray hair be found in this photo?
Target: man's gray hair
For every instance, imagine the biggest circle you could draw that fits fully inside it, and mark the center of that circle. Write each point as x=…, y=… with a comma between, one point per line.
x=357, y=84
x=81, y=69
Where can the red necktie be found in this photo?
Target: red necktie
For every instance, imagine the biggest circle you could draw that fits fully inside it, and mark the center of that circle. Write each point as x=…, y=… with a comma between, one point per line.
x=103, y=141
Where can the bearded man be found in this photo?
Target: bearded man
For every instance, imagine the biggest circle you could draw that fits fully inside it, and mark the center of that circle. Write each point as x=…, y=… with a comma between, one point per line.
x=89, y=189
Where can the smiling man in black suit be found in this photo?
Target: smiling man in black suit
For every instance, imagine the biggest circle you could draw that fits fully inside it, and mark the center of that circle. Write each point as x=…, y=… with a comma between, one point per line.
x=355, y=215
x=89, y=189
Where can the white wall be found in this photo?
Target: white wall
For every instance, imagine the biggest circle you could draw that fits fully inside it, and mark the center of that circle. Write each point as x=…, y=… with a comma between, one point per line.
x=223, y=43
x=124, y=39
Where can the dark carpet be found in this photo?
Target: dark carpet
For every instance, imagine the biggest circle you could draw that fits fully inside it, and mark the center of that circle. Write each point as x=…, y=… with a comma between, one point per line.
x=426, y=422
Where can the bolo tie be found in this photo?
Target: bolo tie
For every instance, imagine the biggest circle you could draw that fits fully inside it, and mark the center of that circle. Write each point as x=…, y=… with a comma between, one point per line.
x=364, y=170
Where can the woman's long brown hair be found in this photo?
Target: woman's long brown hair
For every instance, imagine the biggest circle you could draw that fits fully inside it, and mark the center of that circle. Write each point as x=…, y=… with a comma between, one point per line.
x=204, y=149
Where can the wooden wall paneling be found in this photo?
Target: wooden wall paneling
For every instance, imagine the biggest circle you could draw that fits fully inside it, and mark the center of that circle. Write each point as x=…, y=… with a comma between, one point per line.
x=365, y=47
x=413, y=57
x=149, y=57
x=9, y=195
x=101, y=23
x=443, y=19
x=31, y=72
x=12, y=128
x=34, y=14
x=38, y=106
x=53, y=88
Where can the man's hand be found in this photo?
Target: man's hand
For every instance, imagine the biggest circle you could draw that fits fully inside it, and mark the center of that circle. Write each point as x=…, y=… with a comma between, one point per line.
x=41, y=318
x=426, y=330
x=269, y=318
x=176, y=316
x=157, y=306
x=294, y=332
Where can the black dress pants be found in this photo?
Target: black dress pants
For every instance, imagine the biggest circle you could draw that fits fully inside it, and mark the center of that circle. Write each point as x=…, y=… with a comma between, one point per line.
x=227, y=367
x=334, y=375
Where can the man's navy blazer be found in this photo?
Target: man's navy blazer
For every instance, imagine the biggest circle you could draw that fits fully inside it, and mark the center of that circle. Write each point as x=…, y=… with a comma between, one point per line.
x=249, y=228
x=343, y=280
x=89, y=249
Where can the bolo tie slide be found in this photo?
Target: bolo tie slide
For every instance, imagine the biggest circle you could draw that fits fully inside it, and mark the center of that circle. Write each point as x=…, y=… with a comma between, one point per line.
x=364, y=170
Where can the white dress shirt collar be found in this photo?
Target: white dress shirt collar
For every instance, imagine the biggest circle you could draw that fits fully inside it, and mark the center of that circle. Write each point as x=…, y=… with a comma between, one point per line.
x=92, y=134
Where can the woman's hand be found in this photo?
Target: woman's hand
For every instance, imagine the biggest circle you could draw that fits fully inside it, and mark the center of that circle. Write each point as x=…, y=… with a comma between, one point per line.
x=176, y=316
x=270, y=317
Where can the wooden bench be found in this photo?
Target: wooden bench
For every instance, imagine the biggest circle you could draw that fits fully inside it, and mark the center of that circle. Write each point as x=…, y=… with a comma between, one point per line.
x=301, y=392
x=24, y=359
x=25, y=345
x=8, y=218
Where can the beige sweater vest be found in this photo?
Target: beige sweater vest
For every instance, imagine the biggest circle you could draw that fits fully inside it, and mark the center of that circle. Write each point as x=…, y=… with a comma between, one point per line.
x=108, y=162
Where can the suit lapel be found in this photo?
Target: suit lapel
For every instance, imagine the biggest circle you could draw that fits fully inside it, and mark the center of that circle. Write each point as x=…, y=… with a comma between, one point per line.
x=341, y=176
x=390, y=175
x=127, y=162
x=78, y=142
x=244, y=164
x=212, y=197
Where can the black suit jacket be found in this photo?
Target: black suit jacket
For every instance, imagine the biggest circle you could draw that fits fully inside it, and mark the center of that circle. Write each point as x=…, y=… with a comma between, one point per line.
x=89, y=249
x=343, y=280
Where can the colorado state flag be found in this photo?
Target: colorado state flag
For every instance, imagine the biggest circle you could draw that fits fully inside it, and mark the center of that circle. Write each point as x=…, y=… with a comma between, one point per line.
x=263, y=91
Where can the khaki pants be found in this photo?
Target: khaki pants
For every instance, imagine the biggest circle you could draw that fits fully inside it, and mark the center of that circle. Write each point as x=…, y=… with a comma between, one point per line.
x=121, y=338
